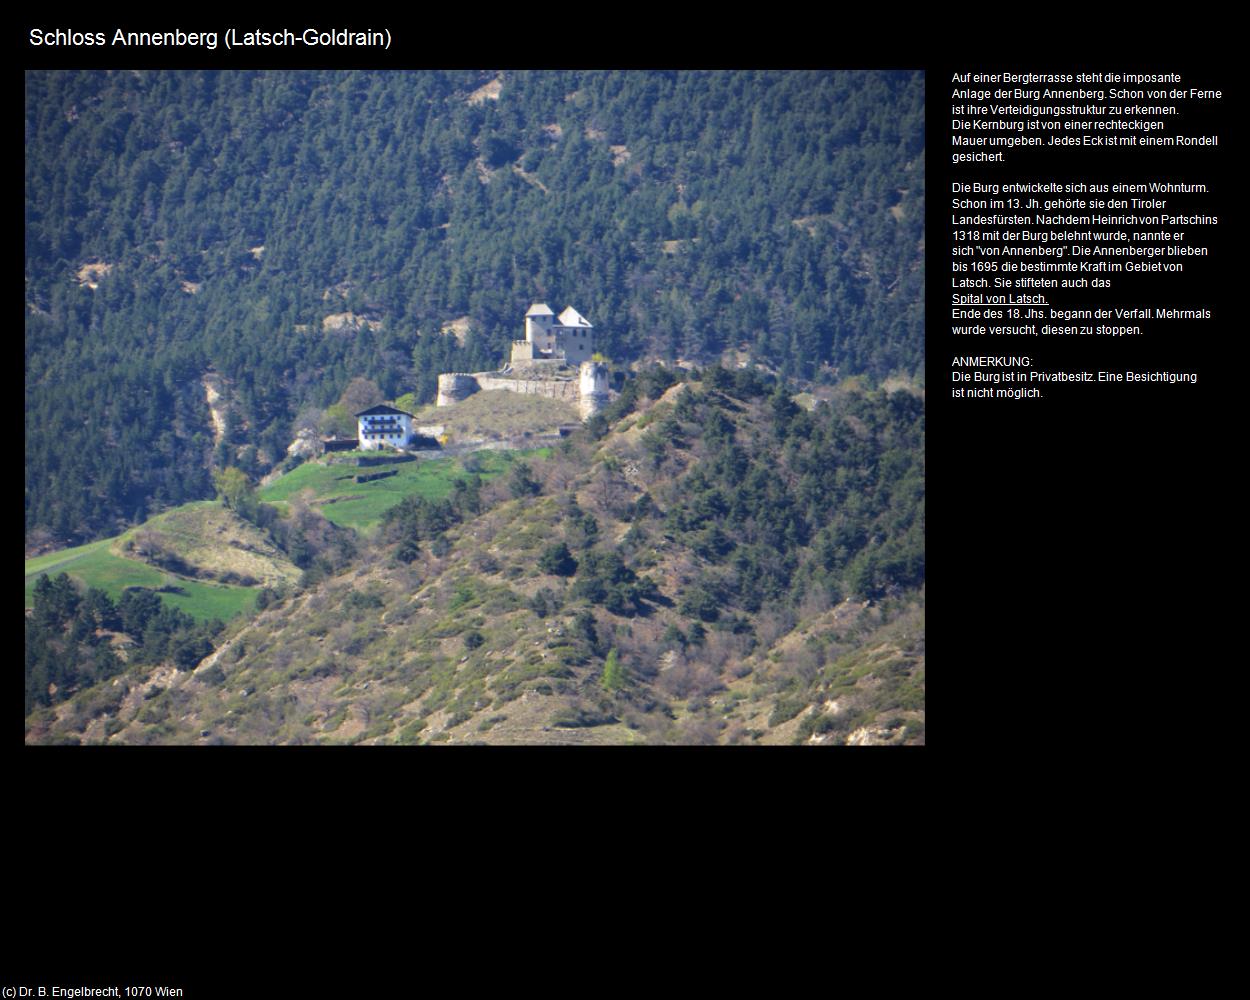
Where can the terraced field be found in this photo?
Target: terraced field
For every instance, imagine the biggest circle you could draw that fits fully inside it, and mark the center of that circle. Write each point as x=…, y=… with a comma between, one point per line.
x=93, y=565
x=332, y=489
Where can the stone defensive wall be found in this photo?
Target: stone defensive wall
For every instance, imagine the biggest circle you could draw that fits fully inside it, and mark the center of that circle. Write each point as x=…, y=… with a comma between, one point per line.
x=456, y=386
x=565, y=389
x=589, y=391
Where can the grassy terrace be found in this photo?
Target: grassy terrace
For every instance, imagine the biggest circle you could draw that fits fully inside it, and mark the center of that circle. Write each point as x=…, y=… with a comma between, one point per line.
x=361, y=505
x=498, y=414
x=355, y=505
x=94, y=565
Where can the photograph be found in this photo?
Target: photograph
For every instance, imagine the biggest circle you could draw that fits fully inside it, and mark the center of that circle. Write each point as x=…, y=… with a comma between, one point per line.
x=557, y=408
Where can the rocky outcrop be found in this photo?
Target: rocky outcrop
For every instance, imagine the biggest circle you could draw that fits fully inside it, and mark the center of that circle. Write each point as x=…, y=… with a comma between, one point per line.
x=875, y=736
x=307, y=444
x=349, y=322
x=213, y=384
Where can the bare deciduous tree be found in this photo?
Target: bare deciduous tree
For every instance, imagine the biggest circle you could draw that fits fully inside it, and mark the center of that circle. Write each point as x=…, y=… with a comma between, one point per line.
x=146, y=544
x=558, y=473
x=495, y=492
x=360, y=394
x=611, y=493
x=773, y=623
x=308, y=419
x=696, y=731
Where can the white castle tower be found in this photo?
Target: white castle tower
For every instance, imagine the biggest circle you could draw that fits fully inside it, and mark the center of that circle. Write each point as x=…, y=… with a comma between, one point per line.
x=593, y=388
x=576, y=336
x=538, y=330
x=569, y=339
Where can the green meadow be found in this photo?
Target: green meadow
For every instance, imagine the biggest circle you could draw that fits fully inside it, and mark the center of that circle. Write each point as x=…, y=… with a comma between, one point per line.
x=93, y=565
x=361, y=505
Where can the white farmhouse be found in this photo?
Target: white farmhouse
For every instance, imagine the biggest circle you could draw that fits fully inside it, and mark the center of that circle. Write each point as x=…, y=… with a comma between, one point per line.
x=383, y=425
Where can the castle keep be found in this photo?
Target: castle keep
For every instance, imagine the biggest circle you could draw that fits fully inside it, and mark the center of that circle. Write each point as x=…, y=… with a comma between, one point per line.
x=553, y=360
x=570, y=339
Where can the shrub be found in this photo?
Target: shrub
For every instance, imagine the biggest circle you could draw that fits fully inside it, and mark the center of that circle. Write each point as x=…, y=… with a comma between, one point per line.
x=674, y=638
x=522, y=483
x=579, y=717
x=464, y=596
x=699, y=603
x=583, y=627
x=815, y=722
x=544, y=603
x=558, y=560
x=191, y=651
x=603, y=578
x=359, y=601
x=486, y=563
x=213, y=675
x=786, y=709
x=598, y=426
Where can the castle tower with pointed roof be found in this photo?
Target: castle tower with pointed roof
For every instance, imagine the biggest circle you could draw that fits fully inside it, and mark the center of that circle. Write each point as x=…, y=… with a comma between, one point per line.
x=569, y=338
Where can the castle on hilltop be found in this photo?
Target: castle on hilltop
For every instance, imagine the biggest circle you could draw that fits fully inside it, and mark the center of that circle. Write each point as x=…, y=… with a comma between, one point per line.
x=570, y=338
x=540, y=364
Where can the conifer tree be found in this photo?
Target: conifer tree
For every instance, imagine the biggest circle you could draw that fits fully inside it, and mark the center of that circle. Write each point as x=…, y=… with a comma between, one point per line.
x=613, y=672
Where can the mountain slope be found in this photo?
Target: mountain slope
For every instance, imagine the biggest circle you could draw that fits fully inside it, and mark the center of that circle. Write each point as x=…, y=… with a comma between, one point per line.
x=285, y=232
x=682, y=574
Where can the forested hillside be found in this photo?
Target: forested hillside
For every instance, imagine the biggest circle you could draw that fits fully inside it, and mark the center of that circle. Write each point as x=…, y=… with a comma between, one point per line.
x=705, y=562
x=291, y=231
